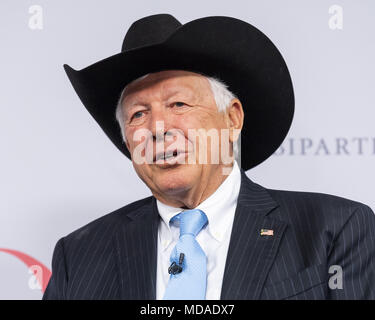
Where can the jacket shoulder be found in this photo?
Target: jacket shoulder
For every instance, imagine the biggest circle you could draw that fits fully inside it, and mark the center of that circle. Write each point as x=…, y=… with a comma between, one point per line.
x=323, y=207
x=107, y=222
x=314, y=198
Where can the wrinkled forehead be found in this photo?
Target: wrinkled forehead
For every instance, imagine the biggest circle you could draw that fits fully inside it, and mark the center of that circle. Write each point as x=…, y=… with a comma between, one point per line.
x=167, y=83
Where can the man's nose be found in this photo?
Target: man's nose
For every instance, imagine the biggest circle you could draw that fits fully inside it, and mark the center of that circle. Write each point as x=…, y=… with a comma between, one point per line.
x=160, y=124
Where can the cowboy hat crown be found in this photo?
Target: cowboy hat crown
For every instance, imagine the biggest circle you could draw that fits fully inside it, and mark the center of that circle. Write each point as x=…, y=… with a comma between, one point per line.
x=149, y=30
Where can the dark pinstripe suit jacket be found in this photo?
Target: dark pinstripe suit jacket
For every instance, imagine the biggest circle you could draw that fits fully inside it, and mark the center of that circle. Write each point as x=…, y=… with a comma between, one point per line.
x=115, y=257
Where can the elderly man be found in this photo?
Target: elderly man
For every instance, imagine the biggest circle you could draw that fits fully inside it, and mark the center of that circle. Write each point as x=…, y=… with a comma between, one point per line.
x=180, y=94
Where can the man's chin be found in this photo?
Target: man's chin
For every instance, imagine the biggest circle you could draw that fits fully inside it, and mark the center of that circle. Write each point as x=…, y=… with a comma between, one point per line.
x=174, y=180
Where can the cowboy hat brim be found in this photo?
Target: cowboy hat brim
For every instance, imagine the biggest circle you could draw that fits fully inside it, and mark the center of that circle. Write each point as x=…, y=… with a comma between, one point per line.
x=222, y=47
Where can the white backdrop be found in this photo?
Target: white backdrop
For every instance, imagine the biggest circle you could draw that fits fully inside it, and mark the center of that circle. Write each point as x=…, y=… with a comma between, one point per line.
x=58, y=171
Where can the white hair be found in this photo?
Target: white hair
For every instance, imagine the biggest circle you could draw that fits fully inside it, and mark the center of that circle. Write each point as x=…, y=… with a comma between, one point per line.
x=222, y=95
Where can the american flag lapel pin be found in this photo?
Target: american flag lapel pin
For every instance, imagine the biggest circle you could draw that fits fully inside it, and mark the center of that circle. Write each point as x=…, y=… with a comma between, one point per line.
x=266, y=232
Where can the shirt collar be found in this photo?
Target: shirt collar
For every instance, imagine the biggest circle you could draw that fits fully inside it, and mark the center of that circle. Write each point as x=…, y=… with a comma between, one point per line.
x=216, y=206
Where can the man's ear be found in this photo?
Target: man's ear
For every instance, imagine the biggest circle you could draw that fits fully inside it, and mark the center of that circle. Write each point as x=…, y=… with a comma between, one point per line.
x=235, y=117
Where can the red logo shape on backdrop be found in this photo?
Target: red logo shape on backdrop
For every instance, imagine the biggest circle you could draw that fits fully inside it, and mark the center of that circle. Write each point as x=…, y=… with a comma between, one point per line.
x=33, y=265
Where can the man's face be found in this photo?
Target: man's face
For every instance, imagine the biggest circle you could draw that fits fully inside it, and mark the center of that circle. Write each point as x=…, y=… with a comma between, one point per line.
x=177, y=101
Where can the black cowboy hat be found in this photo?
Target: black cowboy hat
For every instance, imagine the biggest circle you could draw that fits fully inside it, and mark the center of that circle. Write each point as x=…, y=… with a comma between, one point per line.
x=222, y=47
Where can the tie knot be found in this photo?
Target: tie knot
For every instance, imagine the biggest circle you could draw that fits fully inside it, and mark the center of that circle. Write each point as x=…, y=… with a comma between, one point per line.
x=191, y=221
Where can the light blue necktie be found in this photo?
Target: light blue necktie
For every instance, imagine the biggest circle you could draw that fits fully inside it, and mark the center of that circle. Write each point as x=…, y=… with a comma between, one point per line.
x=190, y=283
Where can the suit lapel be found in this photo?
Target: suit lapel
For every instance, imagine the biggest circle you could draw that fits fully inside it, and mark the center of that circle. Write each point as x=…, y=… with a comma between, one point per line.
x=250, y=255
x=136, y=242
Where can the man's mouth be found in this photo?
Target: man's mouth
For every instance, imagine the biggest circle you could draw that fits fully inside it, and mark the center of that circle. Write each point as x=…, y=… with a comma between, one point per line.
x=163, y=156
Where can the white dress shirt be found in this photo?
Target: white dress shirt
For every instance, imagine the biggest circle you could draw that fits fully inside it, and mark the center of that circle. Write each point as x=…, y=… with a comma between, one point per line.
x=214, y=239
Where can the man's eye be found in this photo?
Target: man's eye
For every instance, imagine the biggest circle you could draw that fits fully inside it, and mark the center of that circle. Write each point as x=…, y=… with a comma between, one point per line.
x=178, y=104
x=138, y=114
